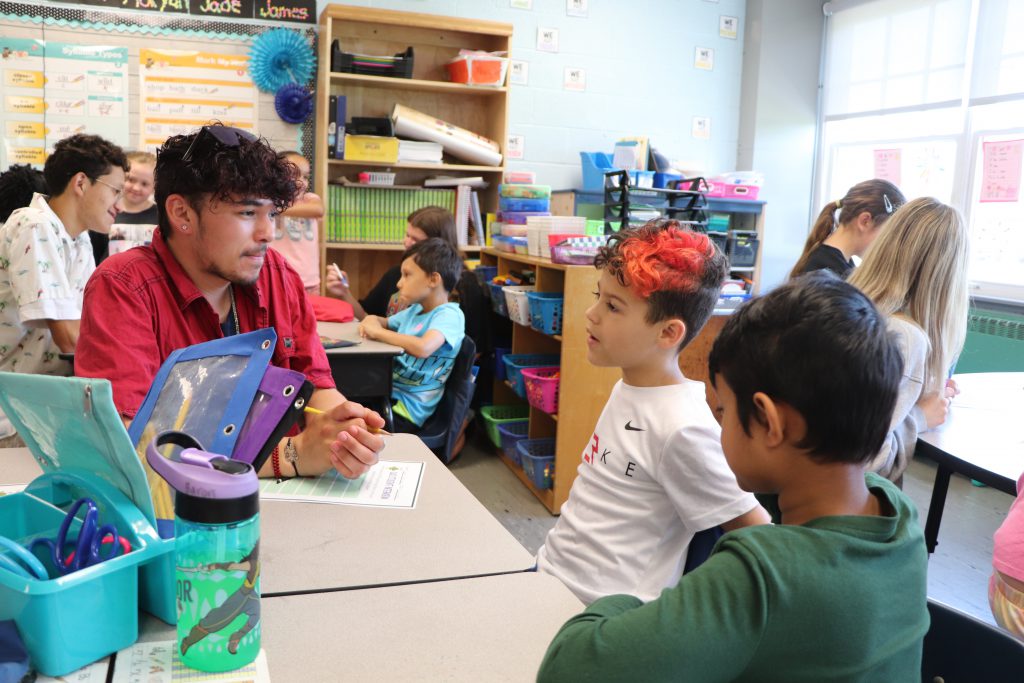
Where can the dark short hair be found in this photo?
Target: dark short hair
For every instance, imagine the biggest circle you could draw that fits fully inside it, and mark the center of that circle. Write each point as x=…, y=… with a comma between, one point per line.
x=678, y=272
x=88, y=154
x=435, y=255
x=17, y=185
x=213, y=170
x=819, y=345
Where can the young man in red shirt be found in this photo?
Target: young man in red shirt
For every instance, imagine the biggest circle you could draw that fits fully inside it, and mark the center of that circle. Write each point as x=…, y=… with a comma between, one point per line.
x=208, y=273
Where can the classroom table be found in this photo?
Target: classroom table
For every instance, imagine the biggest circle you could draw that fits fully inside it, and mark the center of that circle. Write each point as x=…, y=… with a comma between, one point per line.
x=494, y=628
x=362, y=372
x=318, y=546
x=980, y=439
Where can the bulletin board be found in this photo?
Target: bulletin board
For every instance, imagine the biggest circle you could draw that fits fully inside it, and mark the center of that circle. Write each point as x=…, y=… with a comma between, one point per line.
x=132, y=77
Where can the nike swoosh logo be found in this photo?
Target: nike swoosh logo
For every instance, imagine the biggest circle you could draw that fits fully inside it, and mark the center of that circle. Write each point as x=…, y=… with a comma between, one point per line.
x=631, y=428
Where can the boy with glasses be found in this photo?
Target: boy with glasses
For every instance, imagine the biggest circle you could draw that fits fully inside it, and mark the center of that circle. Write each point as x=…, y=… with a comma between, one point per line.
x=46, y=257
x=208, y=273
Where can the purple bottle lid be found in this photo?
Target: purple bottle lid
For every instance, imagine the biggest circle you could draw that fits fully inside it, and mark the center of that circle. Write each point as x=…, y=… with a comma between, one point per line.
x=198, y=473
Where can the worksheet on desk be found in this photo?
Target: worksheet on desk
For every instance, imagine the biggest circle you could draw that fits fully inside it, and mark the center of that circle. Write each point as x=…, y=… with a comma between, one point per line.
x=387, y=484
x=158, y=662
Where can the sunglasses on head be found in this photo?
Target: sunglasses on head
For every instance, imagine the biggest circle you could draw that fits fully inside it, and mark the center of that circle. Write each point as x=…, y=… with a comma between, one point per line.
x=225, y=135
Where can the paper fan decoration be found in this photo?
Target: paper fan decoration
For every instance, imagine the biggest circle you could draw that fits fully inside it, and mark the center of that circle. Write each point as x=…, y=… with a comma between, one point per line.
x=279, y=57
x=293, y=103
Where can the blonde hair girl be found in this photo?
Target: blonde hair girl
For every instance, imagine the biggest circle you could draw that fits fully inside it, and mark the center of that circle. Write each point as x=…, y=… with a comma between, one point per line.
x=846, y=227
x=916, y=273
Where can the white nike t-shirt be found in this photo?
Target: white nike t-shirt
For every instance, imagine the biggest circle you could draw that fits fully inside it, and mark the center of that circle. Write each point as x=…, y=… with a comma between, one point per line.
x=651, y=477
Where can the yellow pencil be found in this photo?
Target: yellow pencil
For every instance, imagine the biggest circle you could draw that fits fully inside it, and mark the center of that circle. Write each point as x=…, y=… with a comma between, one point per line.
x=316, y=411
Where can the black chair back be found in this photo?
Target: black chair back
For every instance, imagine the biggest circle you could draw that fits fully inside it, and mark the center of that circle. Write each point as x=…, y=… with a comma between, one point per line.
x=441, y=429
x=961, y=649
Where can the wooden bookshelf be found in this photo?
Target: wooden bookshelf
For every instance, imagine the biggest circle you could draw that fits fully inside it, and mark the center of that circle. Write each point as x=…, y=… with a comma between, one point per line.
x=583, y=388
x=436, y=40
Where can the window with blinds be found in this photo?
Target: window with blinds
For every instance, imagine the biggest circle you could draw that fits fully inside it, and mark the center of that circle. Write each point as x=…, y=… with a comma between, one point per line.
x=930, y=95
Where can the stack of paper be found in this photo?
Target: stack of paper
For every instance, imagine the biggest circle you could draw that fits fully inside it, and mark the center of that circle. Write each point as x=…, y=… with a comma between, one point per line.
x=419, y=152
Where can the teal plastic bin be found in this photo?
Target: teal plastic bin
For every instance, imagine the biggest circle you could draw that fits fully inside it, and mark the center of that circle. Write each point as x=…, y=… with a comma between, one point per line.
x=72, y=620
x=73, y=431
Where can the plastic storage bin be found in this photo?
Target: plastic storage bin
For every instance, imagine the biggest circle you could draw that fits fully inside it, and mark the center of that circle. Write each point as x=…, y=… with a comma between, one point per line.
x=518, y=304
x=538, y=461
x=70, y=621
x=478, y=69
x=514, y=204
x=720, y=240
x=542, y=388
x=742, y=249
x=511, y=433
x=493, y=416
x=485, y=274
x=573, y=256
x=499, y=362
x=546, y=311
x=516, y=362
x=594, y=166
x=498, y=299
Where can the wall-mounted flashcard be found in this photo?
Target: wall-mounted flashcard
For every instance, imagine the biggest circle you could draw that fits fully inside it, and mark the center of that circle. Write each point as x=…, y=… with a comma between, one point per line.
x=728, y=27
x=547, y=39
x=521, y=4
x=704, y=58
x=575, y=79
x=520, y=72
x=888, y=165
x=701, y=128
x=576, y=8
x=515, y=147
x=1001, y=171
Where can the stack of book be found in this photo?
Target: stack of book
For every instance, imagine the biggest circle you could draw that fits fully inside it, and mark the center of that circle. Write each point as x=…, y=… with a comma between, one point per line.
x=412, y=151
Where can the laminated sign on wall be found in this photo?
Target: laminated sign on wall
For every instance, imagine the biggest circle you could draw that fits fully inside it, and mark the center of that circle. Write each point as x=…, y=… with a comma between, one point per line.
x=184, y=90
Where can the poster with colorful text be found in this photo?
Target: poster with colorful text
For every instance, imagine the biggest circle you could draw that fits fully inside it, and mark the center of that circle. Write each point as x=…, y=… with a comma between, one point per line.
x=180, y=91
x=86, y=92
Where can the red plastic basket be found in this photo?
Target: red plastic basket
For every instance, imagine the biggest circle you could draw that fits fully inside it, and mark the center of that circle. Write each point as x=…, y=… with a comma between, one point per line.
x=542, y=388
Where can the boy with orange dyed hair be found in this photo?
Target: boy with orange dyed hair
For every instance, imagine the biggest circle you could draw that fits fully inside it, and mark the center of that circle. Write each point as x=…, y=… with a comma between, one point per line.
x=653, y=473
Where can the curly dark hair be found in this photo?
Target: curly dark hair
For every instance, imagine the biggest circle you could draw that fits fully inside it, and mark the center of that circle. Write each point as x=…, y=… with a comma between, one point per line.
x=89, y=154
x=677, y=271
x=250, y=168
x=17, y=185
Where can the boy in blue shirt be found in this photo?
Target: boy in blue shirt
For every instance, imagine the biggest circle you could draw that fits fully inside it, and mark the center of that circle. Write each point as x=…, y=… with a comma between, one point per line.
x=430, y=331
x=806, y=380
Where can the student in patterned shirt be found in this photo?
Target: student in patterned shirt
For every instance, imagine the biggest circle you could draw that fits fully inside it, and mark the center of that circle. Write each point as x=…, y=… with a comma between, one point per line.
x=46, y=257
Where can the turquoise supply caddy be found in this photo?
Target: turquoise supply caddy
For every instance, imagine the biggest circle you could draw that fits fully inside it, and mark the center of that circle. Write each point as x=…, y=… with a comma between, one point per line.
x=73, y=431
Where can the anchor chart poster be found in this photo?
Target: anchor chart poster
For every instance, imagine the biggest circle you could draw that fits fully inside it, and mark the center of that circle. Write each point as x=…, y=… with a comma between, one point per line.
x=184, y=90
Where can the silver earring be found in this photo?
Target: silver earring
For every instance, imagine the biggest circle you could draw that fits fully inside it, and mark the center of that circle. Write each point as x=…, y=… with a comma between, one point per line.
x=184, y=228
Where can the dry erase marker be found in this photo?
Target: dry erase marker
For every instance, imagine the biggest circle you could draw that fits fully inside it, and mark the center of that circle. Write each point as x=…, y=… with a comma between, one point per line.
x=315, y=411
x=340, y=274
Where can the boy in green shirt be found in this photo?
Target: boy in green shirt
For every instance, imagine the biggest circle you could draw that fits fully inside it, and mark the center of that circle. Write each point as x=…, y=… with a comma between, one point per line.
x=805, y=379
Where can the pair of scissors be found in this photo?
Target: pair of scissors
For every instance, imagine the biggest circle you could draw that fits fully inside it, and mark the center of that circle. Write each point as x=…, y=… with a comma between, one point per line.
x=91, y=538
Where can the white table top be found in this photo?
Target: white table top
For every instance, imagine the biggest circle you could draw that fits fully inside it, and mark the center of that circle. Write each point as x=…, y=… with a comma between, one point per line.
x=315, y=546
x=494, y=628
x=983, y=426
x=351, y=331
